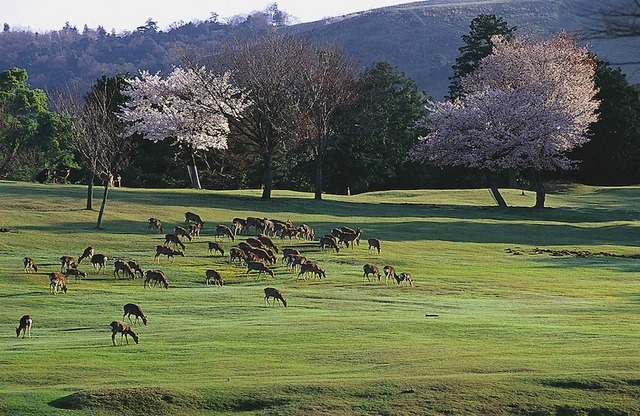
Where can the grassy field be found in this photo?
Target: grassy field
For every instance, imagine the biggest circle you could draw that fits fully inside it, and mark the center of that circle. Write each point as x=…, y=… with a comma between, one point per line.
x=537, y=310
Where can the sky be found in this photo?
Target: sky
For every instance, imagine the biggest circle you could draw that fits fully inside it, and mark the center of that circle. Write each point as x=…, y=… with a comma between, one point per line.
x=126, y=15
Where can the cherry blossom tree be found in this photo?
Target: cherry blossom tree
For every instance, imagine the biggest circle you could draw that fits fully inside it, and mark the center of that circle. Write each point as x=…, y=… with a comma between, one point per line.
x=189, y=106
x=526, y=105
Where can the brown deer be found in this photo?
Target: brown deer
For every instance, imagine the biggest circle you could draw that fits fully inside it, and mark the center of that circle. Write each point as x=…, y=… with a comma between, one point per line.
x=389, y=273
x=133, y=309
x=58, y=281
x=270, y=292
x=25, y=326
x=403, y=278
x=370, y=269
x=75, y=272
x=239, y=224
x=182, y=232
x=267, y=241
x=329, y=241
x=264, y=255
x=173, y=239
x=30, y=265
x=286, y=252
x=157, y=276
x=124, y=329
x=67, y=262
x=225, y=231
x=86, y=254
x=191, y=217
x=374, y=243
x=260, y=267
x=213, y=275
x=213, y=246
x=236, y=256
x=136, y=268
x=194, y=229
x=121, y=266
x=99, y=261
x=169, y=252
x=155, y=224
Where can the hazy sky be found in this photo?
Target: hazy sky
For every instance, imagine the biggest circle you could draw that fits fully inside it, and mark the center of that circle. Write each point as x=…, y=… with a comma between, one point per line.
x=43, y=15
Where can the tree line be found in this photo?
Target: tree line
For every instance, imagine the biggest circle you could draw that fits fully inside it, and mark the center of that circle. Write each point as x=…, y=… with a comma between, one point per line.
x=278, y=111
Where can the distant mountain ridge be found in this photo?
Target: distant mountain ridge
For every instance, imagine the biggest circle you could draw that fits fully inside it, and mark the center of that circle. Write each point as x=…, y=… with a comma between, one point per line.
x=420, y=38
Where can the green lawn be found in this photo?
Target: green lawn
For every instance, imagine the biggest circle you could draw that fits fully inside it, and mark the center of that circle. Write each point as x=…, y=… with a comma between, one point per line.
x=518, y=331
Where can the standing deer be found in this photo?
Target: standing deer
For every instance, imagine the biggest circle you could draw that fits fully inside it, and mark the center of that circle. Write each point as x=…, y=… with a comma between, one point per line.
x=215, y=276
x=121, y=266
x=191, y=217
x=169, y=252
x=155, y=224
x=67, y=262
x=225, y=231
x=270, y=292
x=24, y=326
x=213, y=246
x=404, y=277
x=173, y=239
x=133, y=309
x=58, y=281
x=389, y=273
x=157, y=276
x=30, y=265
x=124, y=329
x=99, y=261
x=260, y=267
x=86, y=254
x=370, y=269
x=136, y=268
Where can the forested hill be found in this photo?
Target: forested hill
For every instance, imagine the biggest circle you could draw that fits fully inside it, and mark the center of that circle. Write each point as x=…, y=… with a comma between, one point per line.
x=420, y=38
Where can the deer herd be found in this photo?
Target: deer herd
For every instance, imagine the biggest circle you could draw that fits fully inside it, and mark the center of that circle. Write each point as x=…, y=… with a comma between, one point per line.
x=257, y=253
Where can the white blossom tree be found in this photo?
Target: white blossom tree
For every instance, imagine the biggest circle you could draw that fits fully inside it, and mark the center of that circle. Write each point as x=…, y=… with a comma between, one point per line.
x=188, y=106
x=527, y=104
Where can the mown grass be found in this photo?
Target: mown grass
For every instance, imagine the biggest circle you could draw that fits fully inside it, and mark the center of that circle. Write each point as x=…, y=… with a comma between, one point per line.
x=515, y=332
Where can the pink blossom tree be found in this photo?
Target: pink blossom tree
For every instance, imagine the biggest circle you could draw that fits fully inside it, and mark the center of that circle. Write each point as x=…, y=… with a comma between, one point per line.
x=527, y=104
x=188, y=106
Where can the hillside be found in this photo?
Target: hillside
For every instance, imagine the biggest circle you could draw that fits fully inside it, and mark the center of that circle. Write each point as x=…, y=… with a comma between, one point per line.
x=420, y=38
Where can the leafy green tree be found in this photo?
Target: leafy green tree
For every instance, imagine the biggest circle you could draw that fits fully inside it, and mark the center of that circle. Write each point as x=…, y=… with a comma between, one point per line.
x=31, y=136
x=613, y=154
x=376, y=133
x=477, y=45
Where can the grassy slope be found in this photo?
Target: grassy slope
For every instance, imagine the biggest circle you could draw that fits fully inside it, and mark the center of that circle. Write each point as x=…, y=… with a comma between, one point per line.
x=516, y=334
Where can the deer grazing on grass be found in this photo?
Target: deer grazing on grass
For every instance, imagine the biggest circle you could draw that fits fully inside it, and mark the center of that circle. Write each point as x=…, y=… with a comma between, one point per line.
x=191, y=217
x=224, y=231
x=213, y=246
x=75, y=272
x=268, y=242
x=213, y=275
x=260, y=267
x=67, y=262
x=311, y=267
x=86, y=254
x=58, y=281
x=157, y=276
x=236, y=256
x=370, y=269
x=270, y=292
x=136, y=268
x=403, y=278
x=167, y=251
x=24, y=326
x=155, y=225
x=133, y=309
x=124, y=329
x=173, y=239
x=264, y=254
x=182, y=232
x=30, y=265
x=99, y=261
x=121, y=266
x=389, y=273
x=329, y=241
x=374, y=243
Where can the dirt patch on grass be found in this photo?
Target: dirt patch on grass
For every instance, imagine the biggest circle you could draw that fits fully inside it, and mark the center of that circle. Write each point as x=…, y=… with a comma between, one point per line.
x=573, y=253
x=133, y=401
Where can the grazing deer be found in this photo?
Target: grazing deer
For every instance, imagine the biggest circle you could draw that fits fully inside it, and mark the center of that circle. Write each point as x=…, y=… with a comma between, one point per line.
x=236, y=256
x=194, y=229
x=225, y=231
x=182, y=232
x=404, y=277
x=121, y=266
x=24, y=326
x=329, y=241
x=124, y=329
x=99, y=261
x=169, y=252
x=157, y=276
x=212, y=274
x=254, y=222
x=270, y=292
x=133, y=309
x=264, y=254
x=58, y=281
x=370, y=269
x=213, y=246
x=155, y=224
x=286, y=252
x=30, y=265
x=260, y=267
x=67, y=262
x=75, y=272
x=267, y=241
x=374, y=243
x=191, y=217
x=136, y=268
x=173, y=239
x=389, y=273
x=86, y=254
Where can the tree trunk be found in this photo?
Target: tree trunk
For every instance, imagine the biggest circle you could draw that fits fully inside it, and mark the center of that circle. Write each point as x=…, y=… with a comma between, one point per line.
x=268, y=178
x=495, y=192
x=91, y=177
x=318, y=181
x=513, y=182
x=104, y=203
x=539, y=186
x=193, y=173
